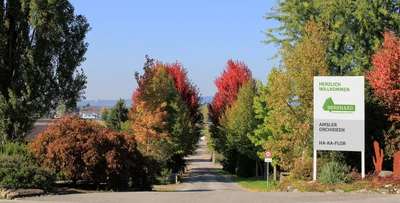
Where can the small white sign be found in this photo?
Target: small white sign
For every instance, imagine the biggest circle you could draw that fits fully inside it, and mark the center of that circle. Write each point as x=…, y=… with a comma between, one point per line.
x=268, y=160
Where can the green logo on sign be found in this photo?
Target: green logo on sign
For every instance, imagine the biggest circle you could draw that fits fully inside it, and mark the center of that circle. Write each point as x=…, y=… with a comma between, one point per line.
x=330, y=106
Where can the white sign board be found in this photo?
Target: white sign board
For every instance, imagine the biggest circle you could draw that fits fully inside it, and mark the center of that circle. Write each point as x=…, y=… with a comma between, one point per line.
x=268, y=160
x=339, y=113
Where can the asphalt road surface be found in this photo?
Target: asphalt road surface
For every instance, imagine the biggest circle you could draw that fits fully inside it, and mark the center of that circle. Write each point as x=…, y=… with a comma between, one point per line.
x=204, y=185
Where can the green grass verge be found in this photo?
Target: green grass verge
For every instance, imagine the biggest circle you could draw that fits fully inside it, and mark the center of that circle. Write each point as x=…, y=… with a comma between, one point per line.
x=253, y=184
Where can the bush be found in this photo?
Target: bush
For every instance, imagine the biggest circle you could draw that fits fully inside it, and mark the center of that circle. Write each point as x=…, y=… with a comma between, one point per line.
x=230, y=161
x=17, y=172
x=14, y=148
x=335, y=173
x=303, y=170
x=84, y=150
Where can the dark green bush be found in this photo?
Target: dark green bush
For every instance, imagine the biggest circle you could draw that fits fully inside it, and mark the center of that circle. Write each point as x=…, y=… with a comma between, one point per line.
x=230, y=161
x=17, y=172
x=245, y=166
x=335, y=173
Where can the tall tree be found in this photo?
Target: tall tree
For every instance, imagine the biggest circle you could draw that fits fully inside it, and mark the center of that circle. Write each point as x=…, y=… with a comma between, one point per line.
x=205, y=112
x=354, y=28
x=228, y=84
x=160, y=119
x=385, y=77
x=41, y=46
x=385, y=80
x=289, y=98
x=117, y=115
x=188, y=92
x=238, y=122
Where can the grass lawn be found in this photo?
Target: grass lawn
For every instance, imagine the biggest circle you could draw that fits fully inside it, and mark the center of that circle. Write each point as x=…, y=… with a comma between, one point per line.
x=257, y=184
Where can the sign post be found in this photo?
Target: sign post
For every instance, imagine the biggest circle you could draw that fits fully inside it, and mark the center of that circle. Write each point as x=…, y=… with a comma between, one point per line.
x=339, y=116
x=268, y=159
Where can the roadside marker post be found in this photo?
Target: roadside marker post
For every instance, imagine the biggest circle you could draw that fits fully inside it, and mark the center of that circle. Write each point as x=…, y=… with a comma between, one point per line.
x=268, y=159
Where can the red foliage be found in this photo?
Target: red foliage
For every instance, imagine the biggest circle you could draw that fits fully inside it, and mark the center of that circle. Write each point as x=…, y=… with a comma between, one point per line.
x=188, y=92
x=233, y=77
x=84, y=150
x=385, y=79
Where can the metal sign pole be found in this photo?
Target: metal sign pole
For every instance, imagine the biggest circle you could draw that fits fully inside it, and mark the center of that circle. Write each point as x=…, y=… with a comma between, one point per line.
x=267, y=172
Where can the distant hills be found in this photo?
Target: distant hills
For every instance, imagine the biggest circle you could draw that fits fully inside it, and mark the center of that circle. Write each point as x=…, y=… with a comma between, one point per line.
x=128, y=102
x=100, y=103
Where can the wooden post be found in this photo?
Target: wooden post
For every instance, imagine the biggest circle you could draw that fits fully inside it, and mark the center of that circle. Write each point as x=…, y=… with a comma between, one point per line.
x=275, y=175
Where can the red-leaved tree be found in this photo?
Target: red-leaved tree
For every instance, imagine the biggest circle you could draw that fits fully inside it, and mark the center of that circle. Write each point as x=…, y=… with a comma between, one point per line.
x=232, y=78
x=165, y=113
x=385, y=79
x=188, y=92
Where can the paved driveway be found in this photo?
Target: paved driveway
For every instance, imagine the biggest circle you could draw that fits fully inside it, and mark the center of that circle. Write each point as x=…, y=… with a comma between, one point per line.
x=204, y=185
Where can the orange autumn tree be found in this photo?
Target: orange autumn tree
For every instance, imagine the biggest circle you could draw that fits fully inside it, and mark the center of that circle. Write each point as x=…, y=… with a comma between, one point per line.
x=165, y=113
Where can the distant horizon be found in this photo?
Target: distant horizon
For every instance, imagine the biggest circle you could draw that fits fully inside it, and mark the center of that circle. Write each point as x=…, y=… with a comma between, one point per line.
x=111, y=102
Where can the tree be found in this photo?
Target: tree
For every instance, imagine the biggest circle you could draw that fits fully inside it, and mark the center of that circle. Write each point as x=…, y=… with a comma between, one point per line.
x=117, y=115
x=41, y=46
x=188, y=92
x=228, y=84
x=353, y=27
x=232, y=78
x=287, y=101
x=385, y=80
x=165, y=114
x=237, y=124
x=103, y=113
x=205, y=112
x=152, y=118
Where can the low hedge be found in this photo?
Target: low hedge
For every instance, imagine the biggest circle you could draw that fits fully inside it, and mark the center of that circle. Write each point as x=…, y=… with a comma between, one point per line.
x=17, y=172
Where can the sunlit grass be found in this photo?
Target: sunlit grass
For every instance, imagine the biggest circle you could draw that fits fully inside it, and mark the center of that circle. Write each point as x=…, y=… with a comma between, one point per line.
x=258, y=184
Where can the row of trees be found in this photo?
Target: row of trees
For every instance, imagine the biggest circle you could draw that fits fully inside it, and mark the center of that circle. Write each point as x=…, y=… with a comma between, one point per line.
x=41, y=47
x=316, y=38
x=136, y=145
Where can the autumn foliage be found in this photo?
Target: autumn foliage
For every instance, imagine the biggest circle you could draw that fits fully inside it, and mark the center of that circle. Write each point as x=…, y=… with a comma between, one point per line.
x=165, y=113
x=385, y=78
x=228, y=84
x=84, y=150
x=188, y=92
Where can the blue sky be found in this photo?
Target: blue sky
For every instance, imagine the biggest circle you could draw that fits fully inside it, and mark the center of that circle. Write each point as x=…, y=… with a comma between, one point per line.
x=202, y=35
